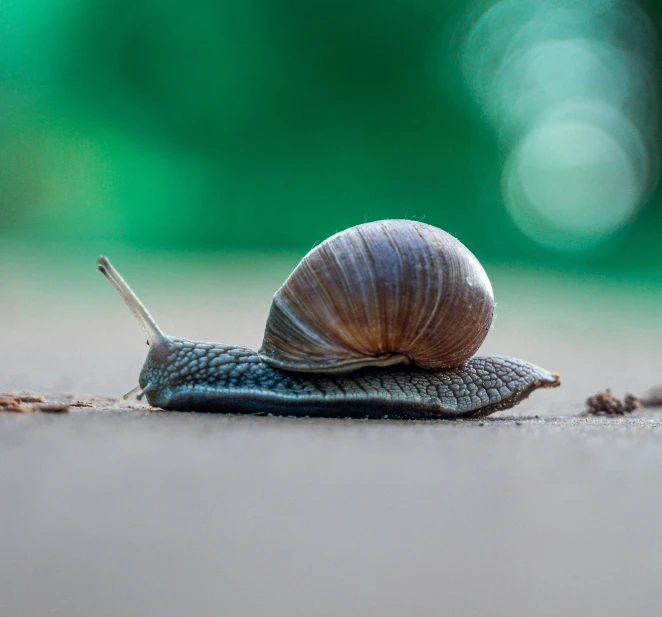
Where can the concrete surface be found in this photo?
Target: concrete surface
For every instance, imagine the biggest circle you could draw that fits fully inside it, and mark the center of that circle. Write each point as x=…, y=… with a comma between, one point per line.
x=135, y=513
x=116, y=510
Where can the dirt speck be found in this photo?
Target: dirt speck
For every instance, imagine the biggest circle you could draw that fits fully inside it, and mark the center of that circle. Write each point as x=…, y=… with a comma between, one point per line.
x=653, y=398
x=51, y=407
x=606, y=404
x=10, y=403
x=28, y=402
x=24, y=397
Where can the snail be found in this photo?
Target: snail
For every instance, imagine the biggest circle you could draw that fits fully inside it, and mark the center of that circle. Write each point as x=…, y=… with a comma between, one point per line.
x=379, y=320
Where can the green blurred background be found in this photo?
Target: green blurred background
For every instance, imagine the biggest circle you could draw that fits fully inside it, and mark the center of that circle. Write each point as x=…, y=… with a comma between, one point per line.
x=256, y=125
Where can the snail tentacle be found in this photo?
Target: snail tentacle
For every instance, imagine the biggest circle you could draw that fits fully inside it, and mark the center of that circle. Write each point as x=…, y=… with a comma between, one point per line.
x=153, y=332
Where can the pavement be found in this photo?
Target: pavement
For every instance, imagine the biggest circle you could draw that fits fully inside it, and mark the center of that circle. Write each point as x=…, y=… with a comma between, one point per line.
x=113, y=508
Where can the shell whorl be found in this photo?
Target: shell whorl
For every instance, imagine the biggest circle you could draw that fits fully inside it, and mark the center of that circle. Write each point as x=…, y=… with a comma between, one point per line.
x=377, y=294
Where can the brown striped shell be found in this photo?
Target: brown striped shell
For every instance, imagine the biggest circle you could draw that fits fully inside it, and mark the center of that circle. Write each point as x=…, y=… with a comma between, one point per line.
x=377, y=294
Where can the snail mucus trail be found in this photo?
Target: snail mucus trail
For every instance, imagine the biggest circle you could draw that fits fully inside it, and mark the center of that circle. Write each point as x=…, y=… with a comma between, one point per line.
x=380, y=320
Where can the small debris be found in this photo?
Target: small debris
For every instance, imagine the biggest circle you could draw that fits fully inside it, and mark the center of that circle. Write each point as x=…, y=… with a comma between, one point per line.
x=31, y=397
x=606, y=404
x=24, y=397
x=18, y=404
x=50, y=408
x=82, y=404
x=631, y=402
x=653, y=398
x=10, y=404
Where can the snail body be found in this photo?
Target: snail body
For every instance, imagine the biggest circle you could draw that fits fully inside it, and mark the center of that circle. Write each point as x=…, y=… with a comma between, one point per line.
x=381, y=320
x=185, y=375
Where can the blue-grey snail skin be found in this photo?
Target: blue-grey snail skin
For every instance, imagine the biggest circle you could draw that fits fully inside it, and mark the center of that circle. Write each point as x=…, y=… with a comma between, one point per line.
x=382, y=319
x=183, y=375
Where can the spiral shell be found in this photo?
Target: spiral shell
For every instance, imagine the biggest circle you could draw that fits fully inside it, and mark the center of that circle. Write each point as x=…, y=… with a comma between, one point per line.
x=377, y=294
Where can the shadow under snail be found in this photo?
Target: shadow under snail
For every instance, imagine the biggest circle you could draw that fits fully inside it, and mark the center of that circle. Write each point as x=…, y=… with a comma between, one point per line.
x=380, y=320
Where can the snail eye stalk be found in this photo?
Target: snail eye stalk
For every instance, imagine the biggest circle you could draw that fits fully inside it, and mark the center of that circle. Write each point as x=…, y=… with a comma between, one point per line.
x=154, y=334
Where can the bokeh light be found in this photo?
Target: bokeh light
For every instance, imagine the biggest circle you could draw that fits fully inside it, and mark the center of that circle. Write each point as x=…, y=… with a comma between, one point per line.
x=571, y=91
x=245, y=126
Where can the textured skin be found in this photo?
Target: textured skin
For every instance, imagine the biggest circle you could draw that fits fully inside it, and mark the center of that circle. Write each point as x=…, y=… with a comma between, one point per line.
x=183, y=375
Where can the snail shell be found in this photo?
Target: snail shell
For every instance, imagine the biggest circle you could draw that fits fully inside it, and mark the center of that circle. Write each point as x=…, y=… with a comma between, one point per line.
x=377, y=294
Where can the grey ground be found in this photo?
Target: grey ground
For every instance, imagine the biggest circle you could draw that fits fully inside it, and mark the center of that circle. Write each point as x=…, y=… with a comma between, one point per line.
x=120, y=510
